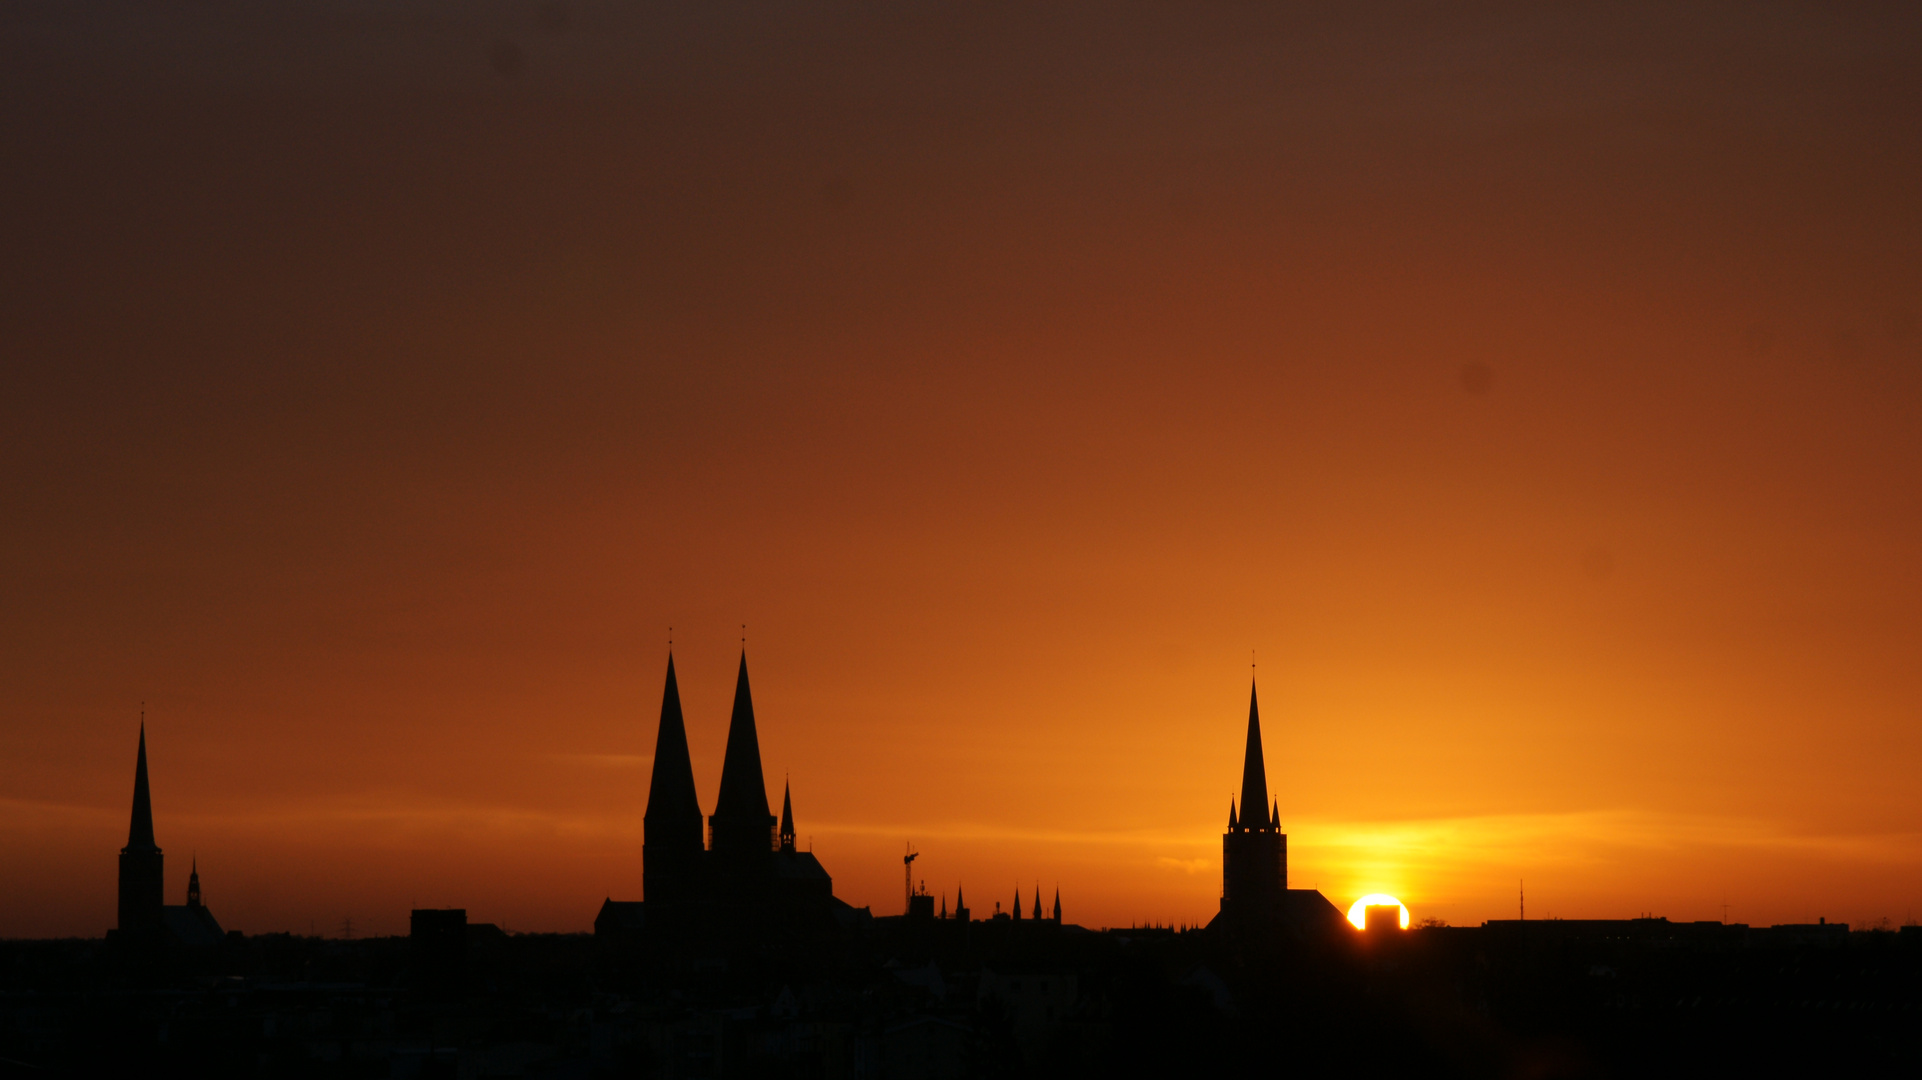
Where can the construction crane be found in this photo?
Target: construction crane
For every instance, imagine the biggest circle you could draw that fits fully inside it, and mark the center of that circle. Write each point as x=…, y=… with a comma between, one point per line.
x=907, y=872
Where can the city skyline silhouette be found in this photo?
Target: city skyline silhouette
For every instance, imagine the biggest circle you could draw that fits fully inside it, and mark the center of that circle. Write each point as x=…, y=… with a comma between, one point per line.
x=1532, y=390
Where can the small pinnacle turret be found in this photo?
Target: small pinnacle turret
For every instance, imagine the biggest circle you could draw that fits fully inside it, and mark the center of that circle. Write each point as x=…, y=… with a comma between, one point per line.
x=787, y=817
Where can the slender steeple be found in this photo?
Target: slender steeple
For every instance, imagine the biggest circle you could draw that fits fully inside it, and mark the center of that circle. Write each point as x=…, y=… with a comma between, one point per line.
x=140, y=832
x=1057, y=903
x=1017, y=903
x=1254, y=773
x=193, y=884
x=1231, y=814
x=142, y=867
x=960, y=903
x=671, y=841
x=1037, y=900
x=1254, y=851
x=787, y=821
x=670, y=791
x=742, y=824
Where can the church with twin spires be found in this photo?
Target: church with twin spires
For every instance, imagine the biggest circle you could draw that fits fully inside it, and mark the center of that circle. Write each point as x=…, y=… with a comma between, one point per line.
x=735, y=869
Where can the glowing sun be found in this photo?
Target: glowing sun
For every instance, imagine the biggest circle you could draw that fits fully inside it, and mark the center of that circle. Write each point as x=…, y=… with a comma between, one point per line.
x=1359, y=912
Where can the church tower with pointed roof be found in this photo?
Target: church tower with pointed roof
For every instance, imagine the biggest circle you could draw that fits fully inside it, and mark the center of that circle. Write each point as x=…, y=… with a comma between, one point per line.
x=1255, y=897
x=741, y=829
x=145, y=917
x=142, y=871
x=1254, y=850
x=672, y=848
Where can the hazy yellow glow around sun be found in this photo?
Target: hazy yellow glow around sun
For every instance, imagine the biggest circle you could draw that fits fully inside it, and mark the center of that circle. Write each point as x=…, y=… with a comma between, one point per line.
x=1358, y=912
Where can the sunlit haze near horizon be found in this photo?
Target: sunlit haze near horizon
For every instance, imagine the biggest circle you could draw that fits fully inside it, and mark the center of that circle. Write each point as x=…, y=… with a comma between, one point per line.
x=1533, y=397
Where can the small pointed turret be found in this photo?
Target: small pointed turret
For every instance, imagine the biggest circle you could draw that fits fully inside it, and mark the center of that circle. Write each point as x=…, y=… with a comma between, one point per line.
x=1232, y=825
x=1017, y=903
x=1037, y=900
x=1254, y=772
x=193, y=884
x=1057, y=903
x=1274, y=821
x=787, y=818
x=960, y=904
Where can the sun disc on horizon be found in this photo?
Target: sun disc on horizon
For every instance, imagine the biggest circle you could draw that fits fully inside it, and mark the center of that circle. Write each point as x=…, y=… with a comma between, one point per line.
x=1358, y=913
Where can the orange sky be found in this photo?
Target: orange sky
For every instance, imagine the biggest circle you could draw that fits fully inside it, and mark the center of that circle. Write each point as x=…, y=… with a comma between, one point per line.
x=1539, y=394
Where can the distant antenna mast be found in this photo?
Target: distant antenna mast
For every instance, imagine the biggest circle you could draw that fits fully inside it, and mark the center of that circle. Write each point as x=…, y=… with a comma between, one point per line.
x=907, y=874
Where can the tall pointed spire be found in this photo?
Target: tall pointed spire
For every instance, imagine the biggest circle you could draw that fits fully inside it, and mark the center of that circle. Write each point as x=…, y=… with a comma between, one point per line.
x=193, y=884
x=142, y=866
x=140, y=832
x=1017, y=903
x=671, y=836
x=1254, y=852
x=1037, y=900
x=742, y=823
x=1254, y=773
x=670, y=790
x=1057, y=903
x=787, y=818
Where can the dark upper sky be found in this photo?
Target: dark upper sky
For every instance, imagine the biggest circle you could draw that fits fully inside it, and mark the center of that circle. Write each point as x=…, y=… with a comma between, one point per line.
x=1536, y=391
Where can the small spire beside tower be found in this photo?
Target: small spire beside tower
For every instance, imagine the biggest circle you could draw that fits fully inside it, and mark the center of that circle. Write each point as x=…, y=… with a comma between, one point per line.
x=787, y=817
